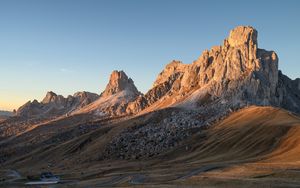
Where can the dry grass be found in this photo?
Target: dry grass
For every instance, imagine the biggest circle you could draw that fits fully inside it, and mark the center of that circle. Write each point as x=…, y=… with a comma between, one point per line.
x=254, y=147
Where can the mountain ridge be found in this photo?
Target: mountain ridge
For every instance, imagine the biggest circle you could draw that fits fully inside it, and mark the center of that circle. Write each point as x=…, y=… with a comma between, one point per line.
x=55, y=105
x=236, y=72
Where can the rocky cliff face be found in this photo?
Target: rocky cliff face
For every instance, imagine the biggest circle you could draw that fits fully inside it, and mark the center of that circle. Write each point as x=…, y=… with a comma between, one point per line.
x=288, y=93
x=237, y=73
x=167, y=81
x=53, y=104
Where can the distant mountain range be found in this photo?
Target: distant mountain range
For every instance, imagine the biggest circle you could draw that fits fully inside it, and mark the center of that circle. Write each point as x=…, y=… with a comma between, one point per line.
x=235, y=74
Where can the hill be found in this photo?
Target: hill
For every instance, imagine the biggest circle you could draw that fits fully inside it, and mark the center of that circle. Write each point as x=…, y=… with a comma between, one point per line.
x=255, y=145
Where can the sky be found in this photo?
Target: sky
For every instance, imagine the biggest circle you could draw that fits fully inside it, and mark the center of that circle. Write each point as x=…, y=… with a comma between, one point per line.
x=67, y=46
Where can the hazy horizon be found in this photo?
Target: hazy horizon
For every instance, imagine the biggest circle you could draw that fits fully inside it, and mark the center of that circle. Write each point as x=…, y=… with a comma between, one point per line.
x=67, y=46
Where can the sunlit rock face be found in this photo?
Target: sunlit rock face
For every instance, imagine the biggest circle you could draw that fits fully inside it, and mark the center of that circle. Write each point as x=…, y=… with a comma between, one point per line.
x=119, y=92
x=239, y=68
x=114, y=100
x=118, y=82
x=236, y=73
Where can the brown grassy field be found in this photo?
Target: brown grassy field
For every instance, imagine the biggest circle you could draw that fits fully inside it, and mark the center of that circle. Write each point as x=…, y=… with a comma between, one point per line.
x=253, y=147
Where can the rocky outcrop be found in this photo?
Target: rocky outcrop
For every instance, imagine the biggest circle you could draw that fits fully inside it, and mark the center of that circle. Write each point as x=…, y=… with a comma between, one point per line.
x=55, y=105
x=237, y=73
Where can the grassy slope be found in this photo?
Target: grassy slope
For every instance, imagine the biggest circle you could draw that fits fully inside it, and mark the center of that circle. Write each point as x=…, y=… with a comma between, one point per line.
x=255, y=146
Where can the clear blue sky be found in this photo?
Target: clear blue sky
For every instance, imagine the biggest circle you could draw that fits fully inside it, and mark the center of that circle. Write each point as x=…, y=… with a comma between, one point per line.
x=70, y=45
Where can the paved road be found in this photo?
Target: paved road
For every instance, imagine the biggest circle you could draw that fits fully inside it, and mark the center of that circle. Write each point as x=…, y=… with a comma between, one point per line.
x=113, y=181
x=13, y=175
x=137, y=179
x=201, y=170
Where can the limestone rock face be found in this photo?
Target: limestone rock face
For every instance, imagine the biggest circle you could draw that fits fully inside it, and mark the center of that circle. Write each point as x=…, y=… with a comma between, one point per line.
x=237, y=73
x=166, y=81
x=242, y=35
x=171, y=70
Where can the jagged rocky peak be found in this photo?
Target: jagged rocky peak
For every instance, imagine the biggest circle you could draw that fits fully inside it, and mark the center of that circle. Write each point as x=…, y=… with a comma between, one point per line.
x=118, y=82
x=174, y=67
x=50, y=97
x=54, y=99
x=238, y=66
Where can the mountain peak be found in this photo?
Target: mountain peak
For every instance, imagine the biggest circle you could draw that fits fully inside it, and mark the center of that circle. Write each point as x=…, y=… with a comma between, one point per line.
x=241, y=35
x=118, y=82
x=49, y=97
